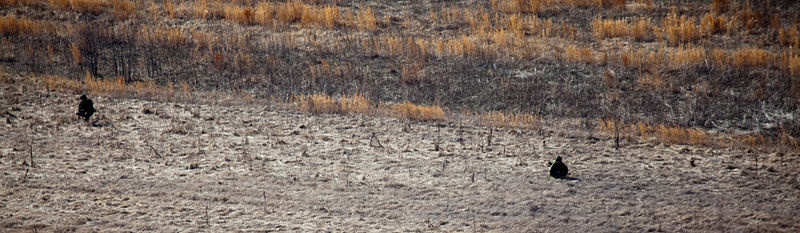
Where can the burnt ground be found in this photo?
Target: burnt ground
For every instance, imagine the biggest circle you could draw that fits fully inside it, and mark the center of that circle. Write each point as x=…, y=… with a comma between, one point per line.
x=182, y=166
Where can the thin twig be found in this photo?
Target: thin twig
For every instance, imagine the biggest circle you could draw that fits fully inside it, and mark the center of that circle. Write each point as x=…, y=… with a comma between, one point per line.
x=155, y=151
x=375, y=138
x=30, y=149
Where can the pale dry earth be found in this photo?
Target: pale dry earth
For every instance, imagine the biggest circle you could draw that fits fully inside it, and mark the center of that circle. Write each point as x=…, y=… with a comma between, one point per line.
x=192, y=167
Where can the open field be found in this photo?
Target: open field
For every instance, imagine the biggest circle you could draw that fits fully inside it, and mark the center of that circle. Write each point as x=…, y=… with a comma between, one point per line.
x=189, y=166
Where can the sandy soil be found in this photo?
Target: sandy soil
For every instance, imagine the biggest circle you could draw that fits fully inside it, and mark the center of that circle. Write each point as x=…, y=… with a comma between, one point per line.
x=169, y=167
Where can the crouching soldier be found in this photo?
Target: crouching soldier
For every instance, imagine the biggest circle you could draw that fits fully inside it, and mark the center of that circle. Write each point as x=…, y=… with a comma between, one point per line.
x=85, y=108
x=558, y=169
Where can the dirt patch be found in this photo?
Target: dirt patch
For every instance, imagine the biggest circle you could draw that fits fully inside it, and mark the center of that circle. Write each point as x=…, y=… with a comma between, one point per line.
x=154, y=166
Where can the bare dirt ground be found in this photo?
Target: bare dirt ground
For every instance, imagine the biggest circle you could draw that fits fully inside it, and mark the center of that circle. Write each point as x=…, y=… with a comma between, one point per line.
x=168, y=167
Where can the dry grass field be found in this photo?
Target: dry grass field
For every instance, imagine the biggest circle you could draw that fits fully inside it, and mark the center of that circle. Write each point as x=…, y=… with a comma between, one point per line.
x=329, y=115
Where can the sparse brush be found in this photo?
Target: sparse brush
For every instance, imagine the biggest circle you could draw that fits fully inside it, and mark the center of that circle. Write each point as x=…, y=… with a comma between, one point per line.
x=516, y=120
x=163, y=36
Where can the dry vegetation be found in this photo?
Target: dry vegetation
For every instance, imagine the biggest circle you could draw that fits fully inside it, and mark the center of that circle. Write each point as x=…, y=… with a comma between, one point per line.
x=719, y=66
x=718, y=73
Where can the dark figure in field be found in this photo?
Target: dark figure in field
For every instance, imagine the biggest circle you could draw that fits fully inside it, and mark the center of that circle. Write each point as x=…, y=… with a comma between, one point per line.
x=557, y=168
x=86, y=108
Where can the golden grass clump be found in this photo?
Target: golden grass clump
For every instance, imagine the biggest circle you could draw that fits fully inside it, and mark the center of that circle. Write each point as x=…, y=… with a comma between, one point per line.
x=680, y=135
x=321, y=104
x=638, y=29
x=168, y=8
x=686, y=55
x=367, y=20
x=652, y=82
x=94, y=6
x=16, y=2
x=418, y=112
x=641, y=28
x=412, y=73
x=516, y=120
x=575, y=53
x=789, y=36
x=289, y=12
x=123, y=9
x=712, y=23
x=744, y=57
x=330, y=16
x=12, y=25
x=264, y=13
x=680, y=29
x=749, y=17
x=163, y=36
x=719, y=6
x=608, y=28
x=791, y=64
x=239, y=14
x=75, y=50
x=116, y=86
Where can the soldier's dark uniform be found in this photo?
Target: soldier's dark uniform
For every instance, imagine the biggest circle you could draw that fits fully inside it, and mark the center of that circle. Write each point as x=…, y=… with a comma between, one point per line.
x=557, y=168
x=85, y=108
